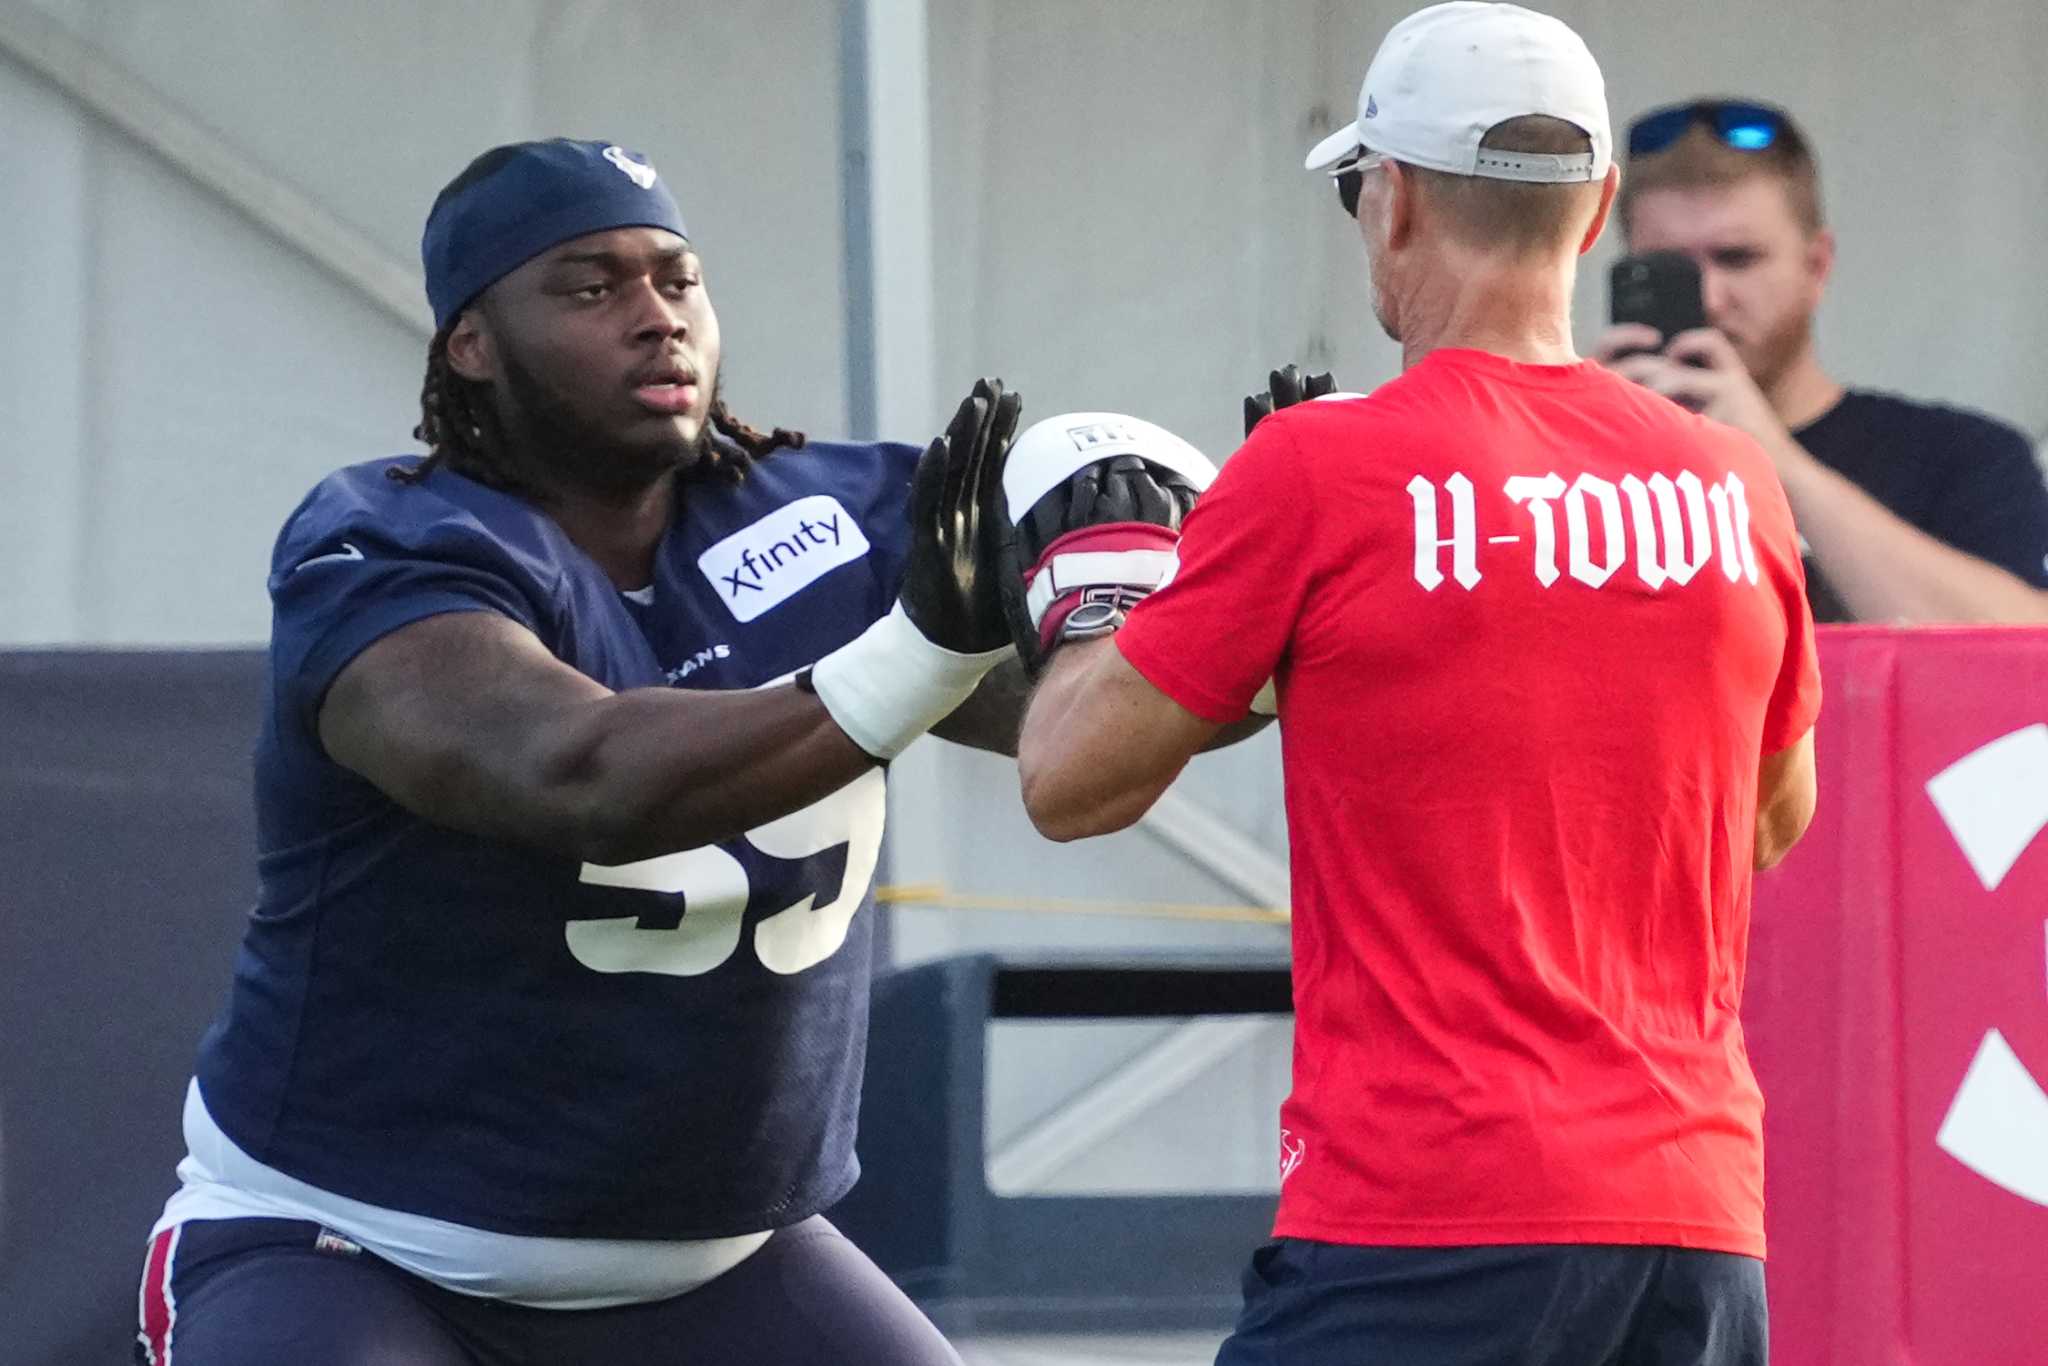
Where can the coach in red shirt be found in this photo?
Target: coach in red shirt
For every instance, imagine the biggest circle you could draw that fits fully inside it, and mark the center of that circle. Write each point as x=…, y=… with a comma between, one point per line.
x=1546, y=687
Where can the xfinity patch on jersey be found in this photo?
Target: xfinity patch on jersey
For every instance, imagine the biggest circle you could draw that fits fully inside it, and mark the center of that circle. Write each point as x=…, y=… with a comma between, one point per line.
x=771, y=561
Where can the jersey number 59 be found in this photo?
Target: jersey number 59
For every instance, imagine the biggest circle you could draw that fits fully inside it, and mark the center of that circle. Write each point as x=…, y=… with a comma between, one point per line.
x=716, y=891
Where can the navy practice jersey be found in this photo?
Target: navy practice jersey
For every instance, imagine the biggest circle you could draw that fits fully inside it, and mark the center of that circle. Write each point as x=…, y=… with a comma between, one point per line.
x=470, y=1030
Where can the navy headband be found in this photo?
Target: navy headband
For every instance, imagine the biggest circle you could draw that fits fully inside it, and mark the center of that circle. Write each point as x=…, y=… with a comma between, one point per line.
x=516, y=201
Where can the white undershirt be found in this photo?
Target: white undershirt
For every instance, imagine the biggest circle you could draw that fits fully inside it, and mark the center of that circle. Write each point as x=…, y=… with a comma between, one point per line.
x=220, y=1181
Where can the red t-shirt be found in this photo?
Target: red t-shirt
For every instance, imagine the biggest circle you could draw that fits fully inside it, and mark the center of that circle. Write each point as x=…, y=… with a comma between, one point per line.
x=1533, y=629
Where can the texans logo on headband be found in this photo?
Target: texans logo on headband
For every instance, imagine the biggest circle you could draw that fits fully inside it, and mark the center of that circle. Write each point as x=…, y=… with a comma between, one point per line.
x=639, y=172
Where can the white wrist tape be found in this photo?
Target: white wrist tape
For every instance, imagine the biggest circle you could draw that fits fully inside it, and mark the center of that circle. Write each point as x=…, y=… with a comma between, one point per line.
x=889, y=684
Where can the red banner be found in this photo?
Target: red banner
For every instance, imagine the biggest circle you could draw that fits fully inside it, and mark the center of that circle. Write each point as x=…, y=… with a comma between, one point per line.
x=1897, y=1012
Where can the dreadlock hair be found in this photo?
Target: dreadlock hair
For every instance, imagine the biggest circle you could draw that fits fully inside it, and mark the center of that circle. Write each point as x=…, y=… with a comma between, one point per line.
x=461, y=431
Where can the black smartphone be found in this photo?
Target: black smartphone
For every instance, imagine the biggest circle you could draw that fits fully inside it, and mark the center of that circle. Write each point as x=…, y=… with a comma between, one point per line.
x=1657, y=288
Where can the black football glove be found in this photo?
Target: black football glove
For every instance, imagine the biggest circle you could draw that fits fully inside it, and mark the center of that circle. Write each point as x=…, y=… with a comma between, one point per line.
x=911, y=669
x=1284, y=389
x=950, y=590
x=1123, y=488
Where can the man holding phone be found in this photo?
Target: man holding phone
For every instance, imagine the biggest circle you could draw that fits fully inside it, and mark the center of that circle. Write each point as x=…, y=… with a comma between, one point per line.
x=1910, y=511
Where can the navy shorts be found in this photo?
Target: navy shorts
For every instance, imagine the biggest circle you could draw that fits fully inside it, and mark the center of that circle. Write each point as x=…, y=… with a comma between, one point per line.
x=1308, y=1303
x=262, y=1292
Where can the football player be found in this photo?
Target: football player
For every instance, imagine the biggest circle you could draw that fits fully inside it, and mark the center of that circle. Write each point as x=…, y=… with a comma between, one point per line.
x=546, y=1035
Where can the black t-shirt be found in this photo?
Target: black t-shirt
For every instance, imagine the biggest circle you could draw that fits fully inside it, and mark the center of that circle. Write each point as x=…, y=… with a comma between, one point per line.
x=1961, y=477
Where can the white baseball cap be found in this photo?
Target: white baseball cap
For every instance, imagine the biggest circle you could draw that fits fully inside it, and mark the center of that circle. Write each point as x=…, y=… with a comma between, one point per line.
x=1447, y=74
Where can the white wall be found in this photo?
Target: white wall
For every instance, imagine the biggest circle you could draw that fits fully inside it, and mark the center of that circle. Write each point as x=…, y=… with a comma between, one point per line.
x=172, y=379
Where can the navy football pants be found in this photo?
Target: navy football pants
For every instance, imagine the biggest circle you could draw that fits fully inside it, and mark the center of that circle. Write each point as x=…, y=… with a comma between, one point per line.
x=1322, y=1304
x=259, y=1292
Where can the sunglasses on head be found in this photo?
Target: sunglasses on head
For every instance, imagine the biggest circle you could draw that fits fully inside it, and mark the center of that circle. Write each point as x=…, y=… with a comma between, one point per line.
x=1741, y=125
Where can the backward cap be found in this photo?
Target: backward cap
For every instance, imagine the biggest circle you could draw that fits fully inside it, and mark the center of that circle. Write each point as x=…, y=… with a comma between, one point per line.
x=1446, y=75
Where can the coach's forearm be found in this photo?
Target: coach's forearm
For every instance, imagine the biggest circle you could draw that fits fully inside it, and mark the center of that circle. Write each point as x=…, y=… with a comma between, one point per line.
x=1094, y=756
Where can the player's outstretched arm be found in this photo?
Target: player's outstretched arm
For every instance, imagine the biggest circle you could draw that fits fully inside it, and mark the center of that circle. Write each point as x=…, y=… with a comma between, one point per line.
x=468, y=721
x=1100, y=743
